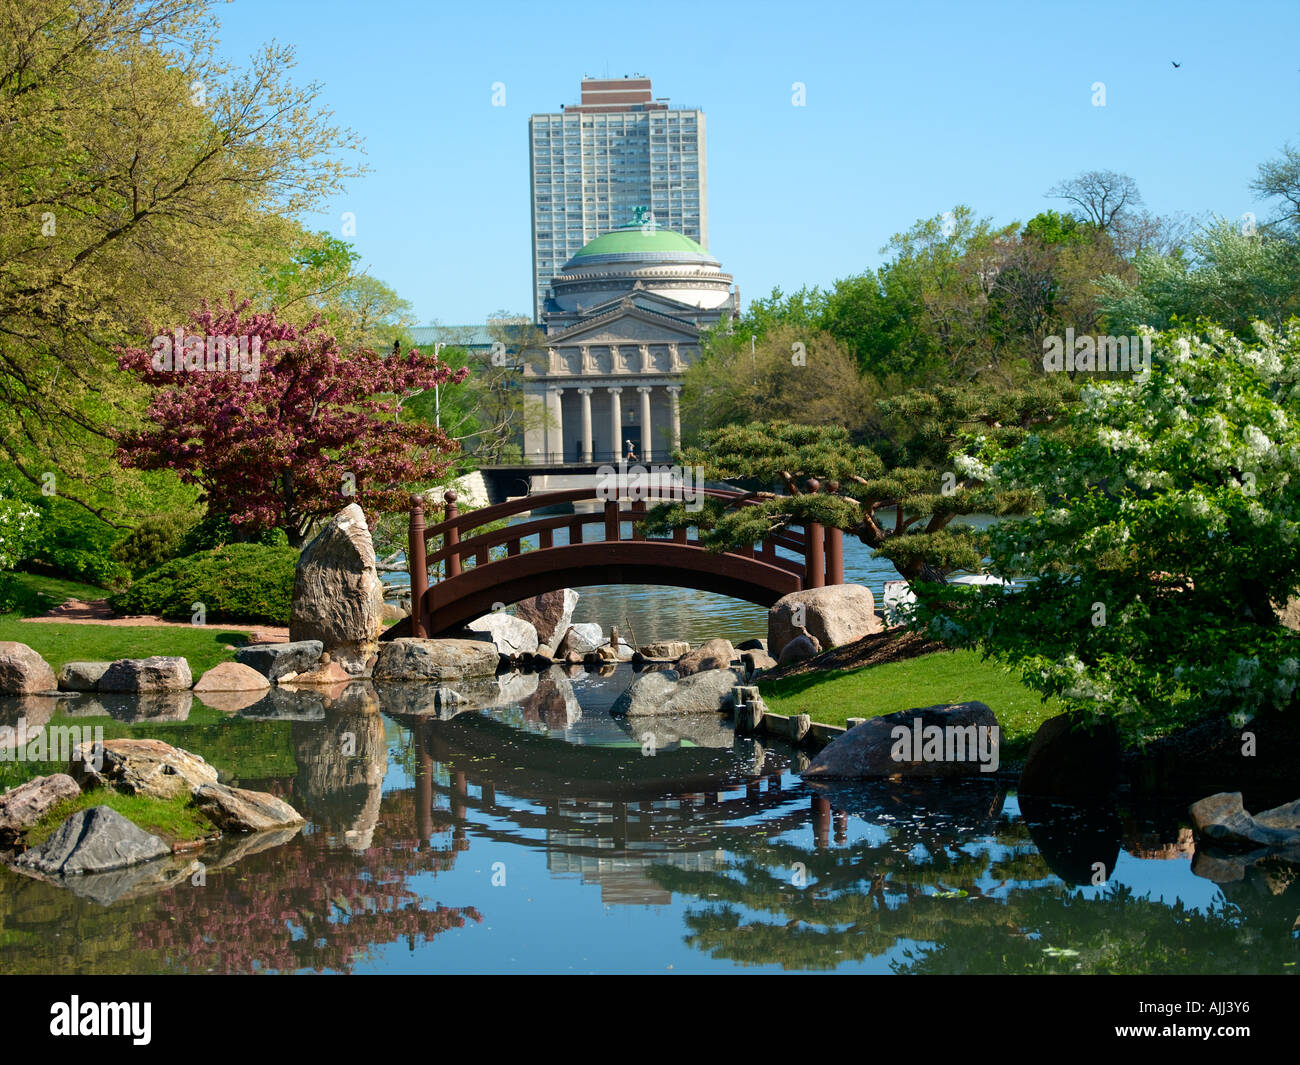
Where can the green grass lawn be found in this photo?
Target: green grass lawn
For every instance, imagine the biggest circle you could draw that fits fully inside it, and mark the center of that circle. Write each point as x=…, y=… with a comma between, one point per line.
x=57, y=642
x=37, y=594
x=943, y=677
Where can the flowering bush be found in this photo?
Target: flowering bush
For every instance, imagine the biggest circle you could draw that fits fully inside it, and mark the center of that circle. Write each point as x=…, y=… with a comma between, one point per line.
x=17, y=520
x=1168, y=540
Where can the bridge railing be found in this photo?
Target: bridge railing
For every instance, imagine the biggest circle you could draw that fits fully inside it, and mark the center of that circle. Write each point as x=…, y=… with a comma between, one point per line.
x=820, y=550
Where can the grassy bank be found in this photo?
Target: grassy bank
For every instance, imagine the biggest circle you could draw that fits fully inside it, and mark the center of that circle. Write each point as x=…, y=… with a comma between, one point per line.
x=35, y=594
x=174, y=820
x=833, y=696
x=58, y=642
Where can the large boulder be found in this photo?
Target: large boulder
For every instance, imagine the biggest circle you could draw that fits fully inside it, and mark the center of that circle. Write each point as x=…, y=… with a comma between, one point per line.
x=1223, y=819
x=277, y=660
x=703, y=693
x=1072, y=760
x=231, y=677
x=23, y=806
x=158, y=673
x=952, y=740
x=408, y=658
x=662, y=694
x=1285, y=816
x=836, y=614
x=580, y=640
x=81, y=676
x=93, y=841
x=23, y=671
x=141, y=767
x=240, y=810
x=338, y=597
x=548, y=613
x=646, y=693
x=511, y=636
x=711, y=654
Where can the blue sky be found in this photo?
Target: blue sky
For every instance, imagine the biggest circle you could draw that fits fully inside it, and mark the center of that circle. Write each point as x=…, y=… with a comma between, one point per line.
x=911, y=108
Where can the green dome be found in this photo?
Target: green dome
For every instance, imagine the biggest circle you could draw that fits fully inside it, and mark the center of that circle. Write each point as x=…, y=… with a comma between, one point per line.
x=641, y=241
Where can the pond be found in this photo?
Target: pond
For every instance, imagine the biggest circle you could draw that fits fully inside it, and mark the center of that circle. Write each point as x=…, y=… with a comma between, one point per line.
x=541, y=835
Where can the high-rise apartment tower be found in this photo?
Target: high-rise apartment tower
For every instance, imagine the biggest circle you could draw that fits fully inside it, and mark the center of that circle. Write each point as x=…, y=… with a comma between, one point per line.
x=594, y=164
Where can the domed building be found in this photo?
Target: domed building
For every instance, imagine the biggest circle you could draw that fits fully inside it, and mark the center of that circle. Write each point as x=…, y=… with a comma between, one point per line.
x=622, y=322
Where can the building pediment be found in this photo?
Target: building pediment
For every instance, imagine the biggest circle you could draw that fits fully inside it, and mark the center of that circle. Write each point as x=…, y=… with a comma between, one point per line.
x=654, y=302
x=625, y=323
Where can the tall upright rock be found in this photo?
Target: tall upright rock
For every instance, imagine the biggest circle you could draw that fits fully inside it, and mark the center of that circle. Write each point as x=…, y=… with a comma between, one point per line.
x=338, y=598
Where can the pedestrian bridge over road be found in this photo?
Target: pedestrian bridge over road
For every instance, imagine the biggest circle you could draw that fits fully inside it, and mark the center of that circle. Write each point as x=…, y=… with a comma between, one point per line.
x=474, y=578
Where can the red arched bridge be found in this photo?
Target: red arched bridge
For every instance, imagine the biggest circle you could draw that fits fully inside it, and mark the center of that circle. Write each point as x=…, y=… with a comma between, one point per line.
x=474, y=581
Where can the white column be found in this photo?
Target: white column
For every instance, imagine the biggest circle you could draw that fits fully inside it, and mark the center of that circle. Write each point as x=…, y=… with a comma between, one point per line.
x=585, y=393
x=555, y=424
x=616, y=421
x=645, y=422
x=674, y=400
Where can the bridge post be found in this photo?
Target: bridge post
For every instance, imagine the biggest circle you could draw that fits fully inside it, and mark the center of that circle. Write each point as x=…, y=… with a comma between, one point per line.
x=814, y=556
x=834, y=548
x=453, y=534
x=814, y=547
x=611, y=519
x=416, y=564
x=834, y=556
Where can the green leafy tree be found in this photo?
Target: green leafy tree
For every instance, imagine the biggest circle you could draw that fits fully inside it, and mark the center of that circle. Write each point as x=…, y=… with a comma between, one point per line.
x=903, y=506
x=139, y=175
x=1231, y=275
x=319, y=277
x=486, y=411
x=789, y=373
x=1279, y=179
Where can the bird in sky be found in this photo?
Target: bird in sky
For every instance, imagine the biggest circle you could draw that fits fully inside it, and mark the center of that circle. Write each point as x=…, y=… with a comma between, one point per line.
x=1176, y=65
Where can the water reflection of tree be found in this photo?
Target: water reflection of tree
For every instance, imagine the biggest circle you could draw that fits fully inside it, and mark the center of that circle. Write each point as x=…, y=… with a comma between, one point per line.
x=962, y=910
x=337, y=891
x=307, y=905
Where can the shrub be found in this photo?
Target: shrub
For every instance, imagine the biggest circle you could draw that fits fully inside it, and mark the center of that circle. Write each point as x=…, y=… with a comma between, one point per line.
x=154, y=541
x=248, y=583
x=216, y=529
x=69, y=541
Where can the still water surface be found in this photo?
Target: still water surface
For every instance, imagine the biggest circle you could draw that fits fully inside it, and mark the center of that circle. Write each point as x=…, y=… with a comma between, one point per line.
x=540, y=835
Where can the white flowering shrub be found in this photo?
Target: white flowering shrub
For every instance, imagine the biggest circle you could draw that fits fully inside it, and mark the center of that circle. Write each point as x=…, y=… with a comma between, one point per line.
x=1174, y=502
x=17, y=522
